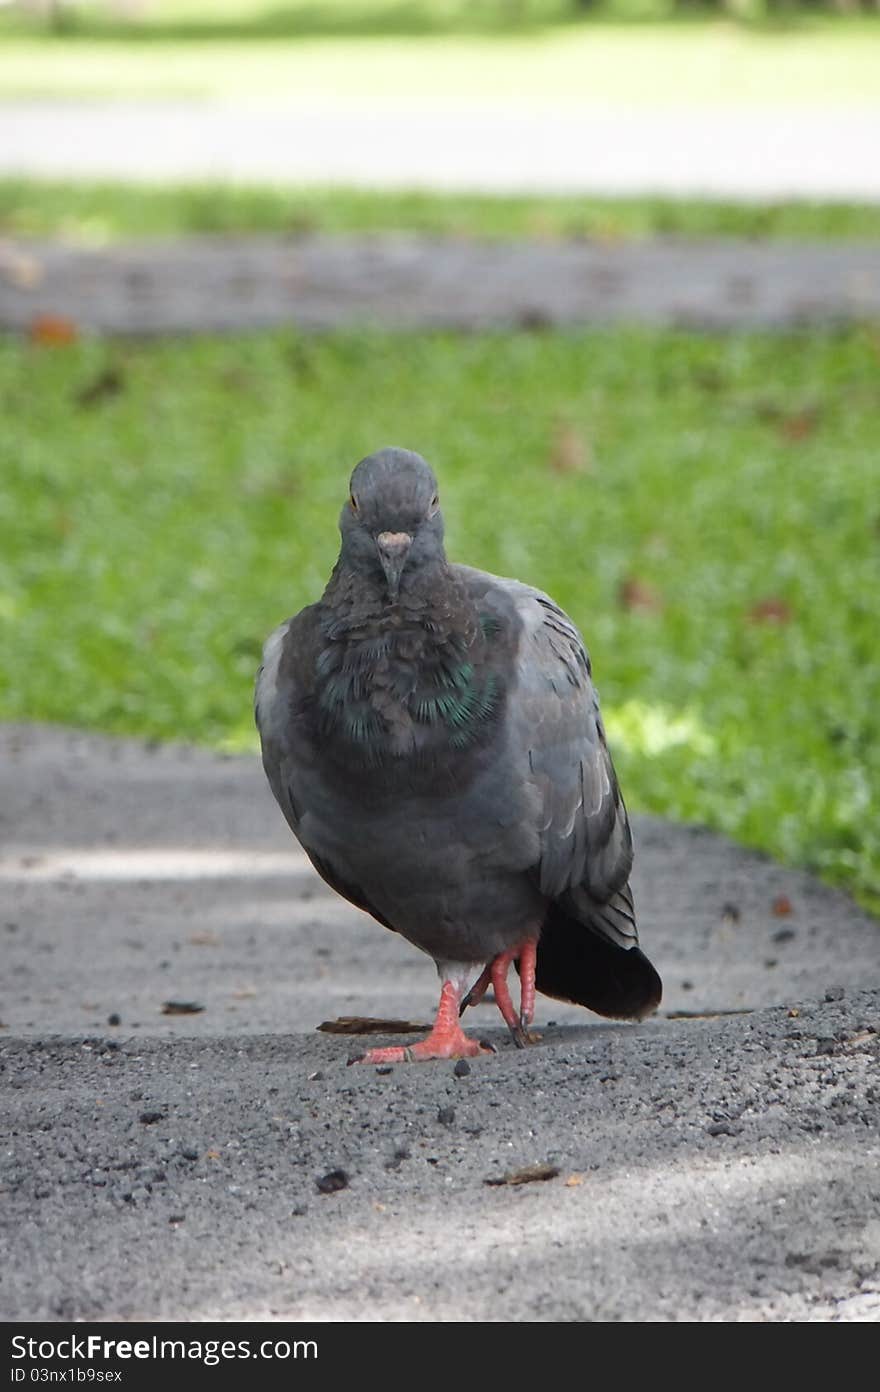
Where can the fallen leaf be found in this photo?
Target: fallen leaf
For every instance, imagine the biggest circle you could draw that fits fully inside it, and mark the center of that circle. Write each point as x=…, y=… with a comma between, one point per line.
x=359, y=1024
x=532, y=1174
x=771, y=610
x=793, y=1013
x=181, y=1008
x=799, y=426
x=204, y=939
x=704, y=1014
x=246, y=993
x=107, y=383
x=212, y=1155
x=782, y=906
x=52, y=331
x=573, y=1181
x=570, y=453
x=636, y=594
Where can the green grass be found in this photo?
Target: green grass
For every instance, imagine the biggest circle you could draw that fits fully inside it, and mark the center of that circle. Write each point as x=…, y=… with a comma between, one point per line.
x=706, y=507
x=235, y=53
x=104, y=212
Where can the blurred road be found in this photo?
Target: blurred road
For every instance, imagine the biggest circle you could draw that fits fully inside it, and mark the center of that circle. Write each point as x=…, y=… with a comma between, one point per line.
x=716, y=1162
x=204, y=284
x=754, y=154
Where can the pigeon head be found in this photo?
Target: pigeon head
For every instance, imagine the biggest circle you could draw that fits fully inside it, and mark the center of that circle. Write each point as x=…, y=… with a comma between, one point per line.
x=392, y=523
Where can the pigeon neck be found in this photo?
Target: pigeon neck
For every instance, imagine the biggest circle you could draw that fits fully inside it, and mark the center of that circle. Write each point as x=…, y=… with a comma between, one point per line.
x=392, y=679
x=424, y=588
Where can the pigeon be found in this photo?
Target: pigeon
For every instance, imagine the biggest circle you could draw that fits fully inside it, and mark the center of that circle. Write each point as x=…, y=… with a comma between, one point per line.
x=433, y=737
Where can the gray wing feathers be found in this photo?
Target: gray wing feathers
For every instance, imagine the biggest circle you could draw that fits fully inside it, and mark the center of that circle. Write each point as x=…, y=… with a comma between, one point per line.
x=271, y=712
x=586, y=844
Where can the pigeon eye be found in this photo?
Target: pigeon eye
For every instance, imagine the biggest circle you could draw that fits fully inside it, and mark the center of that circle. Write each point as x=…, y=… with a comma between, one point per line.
x=435, y=501
x=353, y=500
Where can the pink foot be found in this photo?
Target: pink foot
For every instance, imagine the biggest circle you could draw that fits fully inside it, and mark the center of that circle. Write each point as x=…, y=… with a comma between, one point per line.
x=496, y=975
x=447, y=1039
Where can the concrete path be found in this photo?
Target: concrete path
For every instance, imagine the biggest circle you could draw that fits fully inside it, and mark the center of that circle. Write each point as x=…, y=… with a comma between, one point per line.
x=216, y=284
x=708, y=1165
x=768, y=153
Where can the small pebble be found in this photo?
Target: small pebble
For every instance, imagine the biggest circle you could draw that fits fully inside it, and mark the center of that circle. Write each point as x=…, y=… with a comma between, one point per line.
x=723, y=1128
x=446, y=1116
x=462, y=1068
x=114, y=1019
x=332, y=1182
x=188, y=1152
x=149, y=1118
x=384, y=1068
x=835, y=993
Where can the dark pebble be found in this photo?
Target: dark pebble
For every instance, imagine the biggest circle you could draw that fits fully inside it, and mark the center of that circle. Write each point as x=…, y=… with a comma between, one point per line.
x=332, y=1182
x=384, y=1068
x=784, y=935
x=188, y=1152
x=114, y=1019
x=835, y=993
x=446, y=1115
x=176, y=1218
x=723, y=1128
x=462, y=1068
x=148, y=1118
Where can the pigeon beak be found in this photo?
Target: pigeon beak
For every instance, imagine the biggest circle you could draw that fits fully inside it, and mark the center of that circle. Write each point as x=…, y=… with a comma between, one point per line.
x=393, y=548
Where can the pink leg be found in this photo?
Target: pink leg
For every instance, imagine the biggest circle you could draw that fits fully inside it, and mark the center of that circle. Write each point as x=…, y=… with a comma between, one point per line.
x=496, y=975
x=528, y=958
x=447, y=1039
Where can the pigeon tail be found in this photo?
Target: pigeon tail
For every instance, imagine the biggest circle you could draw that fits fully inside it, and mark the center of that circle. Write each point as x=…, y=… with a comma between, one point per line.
x=578, y=964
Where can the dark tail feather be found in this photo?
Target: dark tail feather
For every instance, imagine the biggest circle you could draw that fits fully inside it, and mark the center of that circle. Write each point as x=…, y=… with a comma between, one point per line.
x=577, y=964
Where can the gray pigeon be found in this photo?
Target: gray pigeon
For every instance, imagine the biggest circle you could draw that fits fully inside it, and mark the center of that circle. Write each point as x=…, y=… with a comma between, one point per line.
x=432, y=736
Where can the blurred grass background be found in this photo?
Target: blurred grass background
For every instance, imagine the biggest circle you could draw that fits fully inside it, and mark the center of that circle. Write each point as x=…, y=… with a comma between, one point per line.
x=94, y=213
x=705, y=506
x=443, y=52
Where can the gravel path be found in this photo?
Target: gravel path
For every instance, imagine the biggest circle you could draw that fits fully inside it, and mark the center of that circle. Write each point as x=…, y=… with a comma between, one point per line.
x=709, y=1165
x=769, y=153
x=215, y=284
